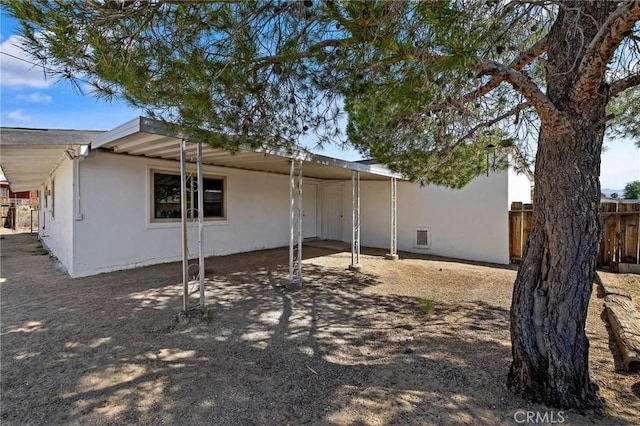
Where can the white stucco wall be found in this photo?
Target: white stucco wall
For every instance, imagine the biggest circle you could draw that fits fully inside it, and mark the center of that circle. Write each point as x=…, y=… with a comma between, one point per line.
x=116, y=231
x=57, y=217
x=470, y=223
x=519, y=187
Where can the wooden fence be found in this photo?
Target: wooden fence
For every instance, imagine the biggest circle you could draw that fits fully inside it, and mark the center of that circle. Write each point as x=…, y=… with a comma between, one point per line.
x=620, y=241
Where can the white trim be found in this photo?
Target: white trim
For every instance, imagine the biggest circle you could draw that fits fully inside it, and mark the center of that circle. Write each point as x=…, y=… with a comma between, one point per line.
x=125, y=129
x=190, y=223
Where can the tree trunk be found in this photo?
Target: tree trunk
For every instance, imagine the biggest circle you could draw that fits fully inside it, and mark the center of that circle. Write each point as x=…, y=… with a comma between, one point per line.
x=552, y=290
x=553, y=287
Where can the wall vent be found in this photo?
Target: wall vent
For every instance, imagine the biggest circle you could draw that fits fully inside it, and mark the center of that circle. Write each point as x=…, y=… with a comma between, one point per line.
x=423, y=237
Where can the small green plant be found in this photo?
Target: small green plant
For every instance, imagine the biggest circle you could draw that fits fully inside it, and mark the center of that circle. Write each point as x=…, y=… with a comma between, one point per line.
x=427, y=305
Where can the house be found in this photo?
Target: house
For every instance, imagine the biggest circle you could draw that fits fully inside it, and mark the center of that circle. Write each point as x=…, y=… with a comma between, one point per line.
x=10, y=202
x=111, y=200
x=471, y=223
x=8, y=197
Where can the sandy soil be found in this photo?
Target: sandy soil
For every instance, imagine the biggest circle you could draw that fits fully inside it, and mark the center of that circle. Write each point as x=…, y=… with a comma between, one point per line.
x=349, y=349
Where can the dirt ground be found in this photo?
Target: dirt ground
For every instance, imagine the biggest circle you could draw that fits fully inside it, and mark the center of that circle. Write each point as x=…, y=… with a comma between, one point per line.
x=349, y=349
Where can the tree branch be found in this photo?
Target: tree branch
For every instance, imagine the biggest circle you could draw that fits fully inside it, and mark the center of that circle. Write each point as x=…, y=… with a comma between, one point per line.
x=602, y=48
x=621, y=85
x=517, y=64
x=275, y=59
x=546, y=110
x=512, y=111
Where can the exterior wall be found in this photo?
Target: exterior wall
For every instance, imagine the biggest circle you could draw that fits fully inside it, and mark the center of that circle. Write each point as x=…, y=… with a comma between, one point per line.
x=519, y=187
x=56, y=215
x=116, y=231
x=109, y=226
x=469, y=223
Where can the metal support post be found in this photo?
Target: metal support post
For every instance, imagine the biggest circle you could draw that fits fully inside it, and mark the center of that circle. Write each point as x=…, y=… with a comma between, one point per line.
x=393, y=245
x=292, y=221
x=201, y=226
x=295, y=225
x=355, y=236
x=183, y=216
x=299, y=227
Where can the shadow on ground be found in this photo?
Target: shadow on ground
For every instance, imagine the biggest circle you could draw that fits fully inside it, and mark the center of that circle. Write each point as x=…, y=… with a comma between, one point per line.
x=106, y=349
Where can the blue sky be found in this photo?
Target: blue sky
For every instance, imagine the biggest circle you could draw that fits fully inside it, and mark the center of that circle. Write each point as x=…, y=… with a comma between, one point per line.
x=28, y=99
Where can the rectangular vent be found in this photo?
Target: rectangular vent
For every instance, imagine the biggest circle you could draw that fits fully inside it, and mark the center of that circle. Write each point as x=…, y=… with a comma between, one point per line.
x=423, y=238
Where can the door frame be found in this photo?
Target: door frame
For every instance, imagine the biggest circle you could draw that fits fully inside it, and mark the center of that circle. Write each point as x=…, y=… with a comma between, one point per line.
x=325, y=203
x=317, y=204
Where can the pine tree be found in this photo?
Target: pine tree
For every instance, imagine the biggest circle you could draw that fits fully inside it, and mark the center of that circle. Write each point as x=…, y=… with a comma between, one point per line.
x=427, y=87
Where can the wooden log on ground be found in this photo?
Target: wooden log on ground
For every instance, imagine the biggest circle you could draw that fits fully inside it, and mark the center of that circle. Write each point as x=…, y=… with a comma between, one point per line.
x=611, y=284
x=625, y=324
x=628, y=268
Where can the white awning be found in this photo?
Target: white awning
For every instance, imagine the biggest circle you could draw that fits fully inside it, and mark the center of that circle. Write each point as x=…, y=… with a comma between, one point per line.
x=149, y=138
x=27, y=156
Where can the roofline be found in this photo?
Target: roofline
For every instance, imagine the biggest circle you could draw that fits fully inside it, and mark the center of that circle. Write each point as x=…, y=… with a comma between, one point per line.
x=137, y=125
x=42, y=137
x=148, y=125
x=42, y=129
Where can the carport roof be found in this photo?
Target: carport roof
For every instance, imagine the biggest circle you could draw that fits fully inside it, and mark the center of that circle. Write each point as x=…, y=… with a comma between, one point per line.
x=150, y=138
x=29, y=155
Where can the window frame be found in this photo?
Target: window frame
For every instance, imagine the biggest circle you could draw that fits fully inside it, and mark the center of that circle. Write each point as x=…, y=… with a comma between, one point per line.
x=151, y=219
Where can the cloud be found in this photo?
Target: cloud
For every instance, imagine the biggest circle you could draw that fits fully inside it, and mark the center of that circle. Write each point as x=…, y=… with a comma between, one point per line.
x=17, y=73
x=19, y=115
x=35, y=98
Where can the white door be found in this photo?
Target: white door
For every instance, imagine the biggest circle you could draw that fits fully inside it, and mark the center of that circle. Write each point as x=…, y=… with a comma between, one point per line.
x=333, y=211
x=309, y=210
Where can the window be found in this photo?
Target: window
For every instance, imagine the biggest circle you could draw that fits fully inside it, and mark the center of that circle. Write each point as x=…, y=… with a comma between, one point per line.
x=165, y=197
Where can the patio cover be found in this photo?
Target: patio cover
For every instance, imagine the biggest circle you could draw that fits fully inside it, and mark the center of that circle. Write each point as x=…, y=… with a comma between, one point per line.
x=150, y=138
x=27, y=156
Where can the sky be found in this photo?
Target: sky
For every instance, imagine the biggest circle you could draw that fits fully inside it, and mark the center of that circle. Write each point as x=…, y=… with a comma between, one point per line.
x=29, y=99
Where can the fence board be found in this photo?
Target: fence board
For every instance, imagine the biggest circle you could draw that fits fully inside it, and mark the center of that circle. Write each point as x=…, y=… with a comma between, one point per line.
x=515, y=241
x=519, y=226
x=619, y=242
